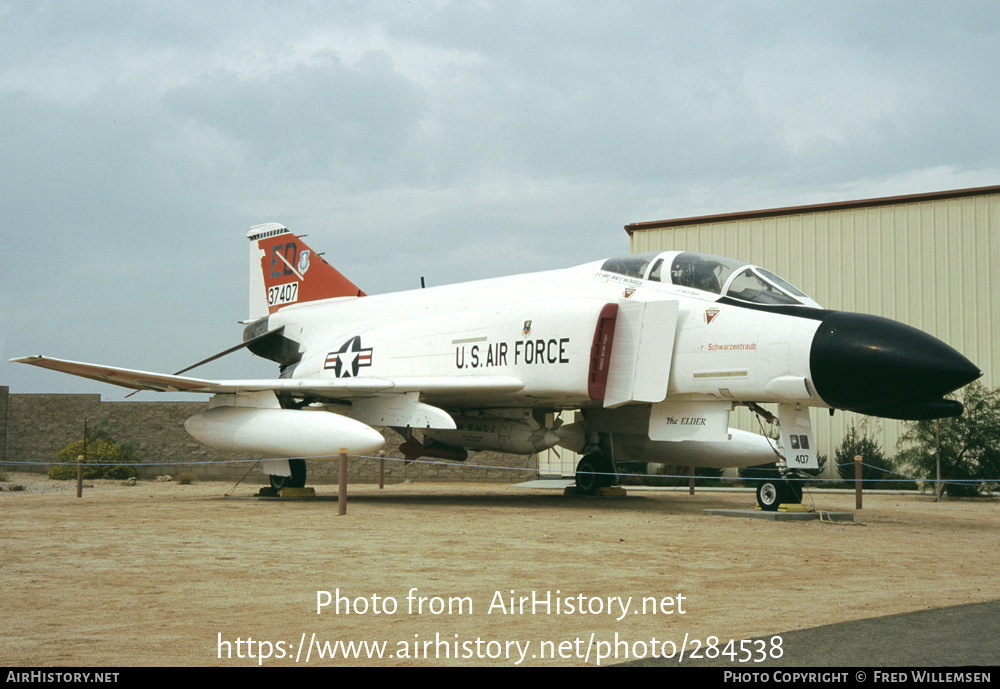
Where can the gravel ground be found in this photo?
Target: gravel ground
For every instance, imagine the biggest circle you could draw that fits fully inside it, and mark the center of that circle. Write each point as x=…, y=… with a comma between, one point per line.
x=169, y=574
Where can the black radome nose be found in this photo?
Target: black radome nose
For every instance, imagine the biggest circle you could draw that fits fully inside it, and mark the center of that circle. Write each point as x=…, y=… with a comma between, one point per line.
x=880, y=367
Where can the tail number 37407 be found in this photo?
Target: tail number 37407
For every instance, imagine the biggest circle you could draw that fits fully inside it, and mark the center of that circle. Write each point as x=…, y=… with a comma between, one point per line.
x=283, y=294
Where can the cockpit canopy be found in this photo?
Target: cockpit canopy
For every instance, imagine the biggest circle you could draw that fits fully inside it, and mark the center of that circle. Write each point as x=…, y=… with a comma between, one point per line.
x=723, y=276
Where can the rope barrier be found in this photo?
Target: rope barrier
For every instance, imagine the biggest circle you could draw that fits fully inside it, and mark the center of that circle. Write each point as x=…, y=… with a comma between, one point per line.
x=904, y=478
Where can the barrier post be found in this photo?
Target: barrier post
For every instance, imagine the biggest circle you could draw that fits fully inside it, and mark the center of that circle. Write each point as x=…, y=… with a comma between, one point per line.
x=857, y=482
x=342, y=492
x=938, y=486
x=79, y=476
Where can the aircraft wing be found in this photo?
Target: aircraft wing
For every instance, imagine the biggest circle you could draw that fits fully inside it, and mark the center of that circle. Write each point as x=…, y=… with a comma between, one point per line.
x=330, y=388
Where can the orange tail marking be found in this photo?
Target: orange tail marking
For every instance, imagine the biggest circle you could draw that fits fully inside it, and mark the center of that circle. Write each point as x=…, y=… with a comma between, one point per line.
x=294, y=273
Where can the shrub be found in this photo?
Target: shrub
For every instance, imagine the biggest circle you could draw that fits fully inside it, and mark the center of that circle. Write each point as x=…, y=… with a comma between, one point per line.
x=877, y=470
x=103, y=459
x=970, y=445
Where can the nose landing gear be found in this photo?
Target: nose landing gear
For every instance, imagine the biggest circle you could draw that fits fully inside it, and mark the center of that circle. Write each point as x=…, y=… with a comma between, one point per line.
x=773, y=493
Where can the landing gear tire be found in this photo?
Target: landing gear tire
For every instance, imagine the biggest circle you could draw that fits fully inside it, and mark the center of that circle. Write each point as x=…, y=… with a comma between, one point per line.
x=593, y=472
x=296, y=480
x=770, y=495
x=773, y=493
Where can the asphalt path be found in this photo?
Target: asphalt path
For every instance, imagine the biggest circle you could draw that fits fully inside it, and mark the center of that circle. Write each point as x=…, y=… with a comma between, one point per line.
x=963, y=635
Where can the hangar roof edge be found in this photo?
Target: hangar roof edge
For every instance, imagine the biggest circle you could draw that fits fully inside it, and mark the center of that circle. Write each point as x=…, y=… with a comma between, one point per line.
x=813, y=208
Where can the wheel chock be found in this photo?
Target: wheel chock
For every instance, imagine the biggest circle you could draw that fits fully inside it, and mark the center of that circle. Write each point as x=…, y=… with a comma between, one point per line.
x=785, y=507
x=307, y=492
x=607, y=492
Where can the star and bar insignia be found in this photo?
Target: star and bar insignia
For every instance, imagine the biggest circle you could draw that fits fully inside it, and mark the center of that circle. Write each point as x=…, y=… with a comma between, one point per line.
x=348, y=360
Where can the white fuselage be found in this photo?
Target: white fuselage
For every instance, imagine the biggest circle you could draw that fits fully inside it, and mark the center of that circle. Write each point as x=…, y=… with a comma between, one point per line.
x=540, y=329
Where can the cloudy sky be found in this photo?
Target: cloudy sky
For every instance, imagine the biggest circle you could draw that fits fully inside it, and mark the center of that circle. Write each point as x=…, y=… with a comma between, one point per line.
x=139, y=141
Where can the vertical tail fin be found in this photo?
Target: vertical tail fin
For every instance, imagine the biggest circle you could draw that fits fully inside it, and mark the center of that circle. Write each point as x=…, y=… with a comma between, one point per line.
x=284, y=270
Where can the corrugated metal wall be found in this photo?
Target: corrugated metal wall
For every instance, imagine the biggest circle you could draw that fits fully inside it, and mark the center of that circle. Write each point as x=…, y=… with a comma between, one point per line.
x=931, y=264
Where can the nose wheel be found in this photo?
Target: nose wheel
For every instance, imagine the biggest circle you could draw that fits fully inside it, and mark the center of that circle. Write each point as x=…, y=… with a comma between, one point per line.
x=773, y=493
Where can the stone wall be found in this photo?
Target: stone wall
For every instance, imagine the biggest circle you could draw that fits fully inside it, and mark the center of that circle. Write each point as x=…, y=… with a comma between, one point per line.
x=33, y=428
x=4, y=396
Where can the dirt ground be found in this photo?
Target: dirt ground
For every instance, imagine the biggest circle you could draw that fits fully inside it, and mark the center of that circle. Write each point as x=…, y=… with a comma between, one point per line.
x=169, y=574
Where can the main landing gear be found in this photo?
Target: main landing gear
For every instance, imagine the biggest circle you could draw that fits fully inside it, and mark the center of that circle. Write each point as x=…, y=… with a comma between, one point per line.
x=296, y=480
x=593, y=472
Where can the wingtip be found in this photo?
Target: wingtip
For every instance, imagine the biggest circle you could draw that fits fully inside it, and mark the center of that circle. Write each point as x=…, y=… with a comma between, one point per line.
x=26, y=359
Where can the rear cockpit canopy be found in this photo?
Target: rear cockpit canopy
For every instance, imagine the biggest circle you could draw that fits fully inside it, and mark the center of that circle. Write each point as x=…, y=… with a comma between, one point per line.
x=727, y=277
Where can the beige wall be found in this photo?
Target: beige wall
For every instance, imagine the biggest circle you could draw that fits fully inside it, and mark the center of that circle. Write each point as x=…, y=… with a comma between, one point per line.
x=33, y=428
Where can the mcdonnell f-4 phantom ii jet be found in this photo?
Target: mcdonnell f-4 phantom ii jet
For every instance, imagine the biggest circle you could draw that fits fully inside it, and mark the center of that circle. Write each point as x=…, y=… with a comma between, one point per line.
x=653, y=351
